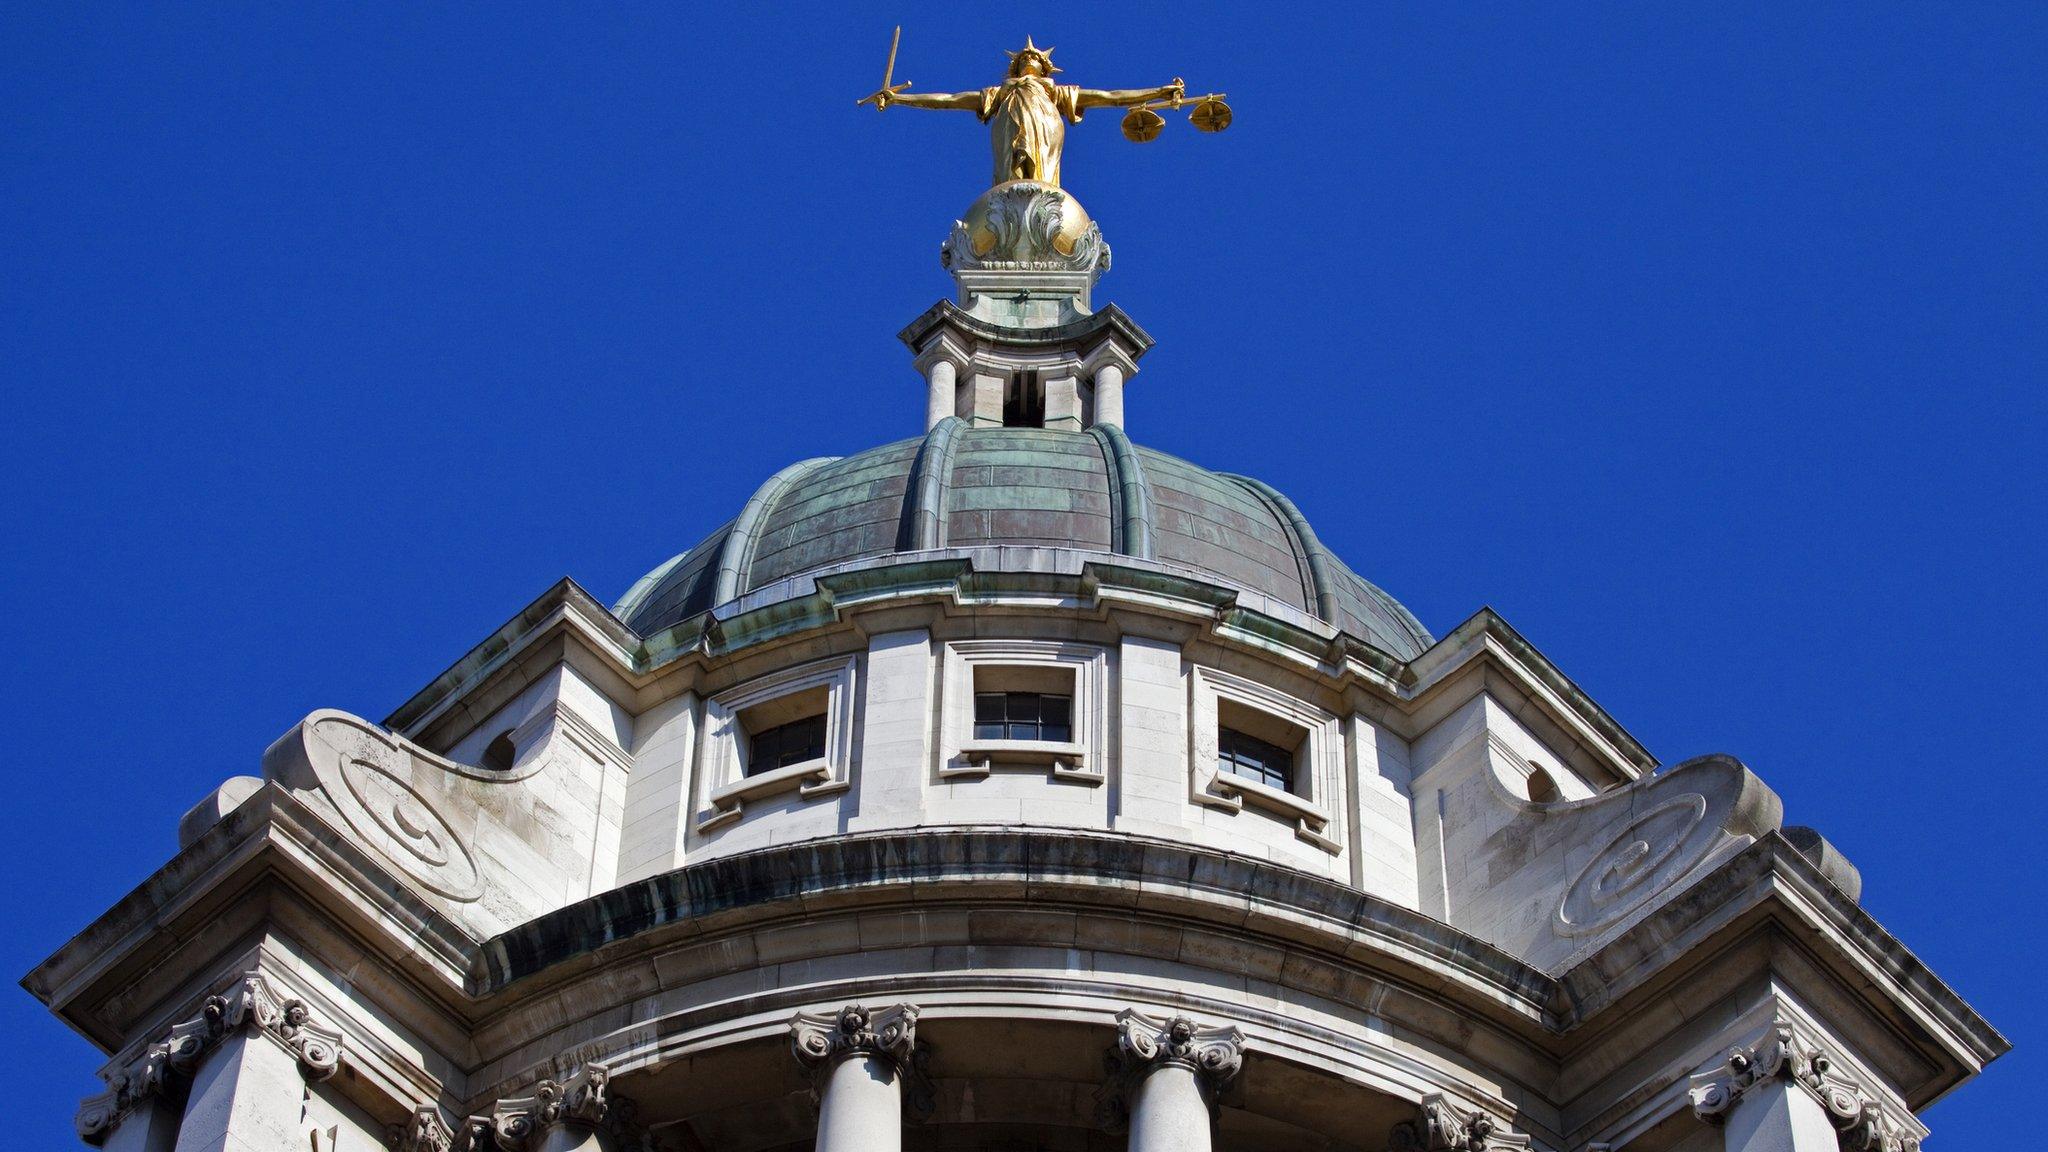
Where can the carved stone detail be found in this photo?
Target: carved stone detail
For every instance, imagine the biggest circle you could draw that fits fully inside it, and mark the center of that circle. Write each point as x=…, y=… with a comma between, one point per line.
x=1443, y=1127
x=165, y=1067
x=1778, y=1054
x=1024, y=226
x=1144, y=1043
x=1861, y=1123
x=425, y=1131
x=517, y=1123
x=822, y=1039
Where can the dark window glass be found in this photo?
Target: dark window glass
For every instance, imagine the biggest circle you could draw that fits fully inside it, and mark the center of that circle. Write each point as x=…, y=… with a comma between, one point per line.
x=1023, y=716
x=1254, y=759
x=786, y=744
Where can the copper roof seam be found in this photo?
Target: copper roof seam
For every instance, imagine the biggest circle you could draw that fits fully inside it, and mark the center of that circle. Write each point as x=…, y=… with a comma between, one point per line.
x=736, y=552
x=923, y=523
x=1308, y=550
x=1131, y=523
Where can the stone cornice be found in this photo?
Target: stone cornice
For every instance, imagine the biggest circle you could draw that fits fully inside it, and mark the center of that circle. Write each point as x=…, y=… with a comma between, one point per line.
x=1781, y=1054
x=250, y=1006
x=1443, y=1127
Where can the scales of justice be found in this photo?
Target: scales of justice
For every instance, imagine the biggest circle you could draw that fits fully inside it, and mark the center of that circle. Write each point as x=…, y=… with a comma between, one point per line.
x=1026, y=253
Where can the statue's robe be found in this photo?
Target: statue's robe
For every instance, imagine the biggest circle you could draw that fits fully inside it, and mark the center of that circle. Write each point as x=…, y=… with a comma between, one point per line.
x=1027, y=118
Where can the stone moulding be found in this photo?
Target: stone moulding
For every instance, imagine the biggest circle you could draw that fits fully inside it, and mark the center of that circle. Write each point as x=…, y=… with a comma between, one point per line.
x=1444, y=1127
x=1862, y=1124
x=165, y=1068
x=424, y=1131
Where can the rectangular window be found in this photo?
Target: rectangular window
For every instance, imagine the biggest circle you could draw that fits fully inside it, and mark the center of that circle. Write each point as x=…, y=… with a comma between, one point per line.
x=786, y=744
x=1023, y=716
x=1024, y=401
x=1248, y=756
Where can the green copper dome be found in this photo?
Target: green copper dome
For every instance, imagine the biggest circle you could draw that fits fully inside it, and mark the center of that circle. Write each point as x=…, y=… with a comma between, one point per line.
x=960, y=487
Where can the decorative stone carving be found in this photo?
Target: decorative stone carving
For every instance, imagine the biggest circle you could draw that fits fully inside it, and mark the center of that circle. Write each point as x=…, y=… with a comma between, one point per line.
x=822, y=1039
x=1027, y=227
x=1145, y=1043
x=1634, y=865
x=425, y=1131
x=367, y=774
x=165, y=1067
x=1779, y=1054
x=1443, y=1127
x=516, y=1124
x=1861, y=1123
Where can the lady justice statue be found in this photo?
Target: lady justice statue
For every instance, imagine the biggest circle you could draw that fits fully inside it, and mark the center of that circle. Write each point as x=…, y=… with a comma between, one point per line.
x=1027, y=113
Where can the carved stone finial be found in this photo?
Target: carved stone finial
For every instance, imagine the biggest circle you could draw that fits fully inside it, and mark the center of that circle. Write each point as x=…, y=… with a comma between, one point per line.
x=1443, y=1127
x=517, y=1123
x=425, y=1131
x=1144, y=1043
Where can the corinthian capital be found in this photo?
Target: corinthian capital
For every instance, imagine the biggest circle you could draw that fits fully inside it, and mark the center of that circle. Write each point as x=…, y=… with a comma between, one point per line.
x=516, y=1124
x=1778, y=1054
x=250, y=1005
x=1443, y=1127
x=821, y=1038
x=423, y=1131
x=1144, y=1042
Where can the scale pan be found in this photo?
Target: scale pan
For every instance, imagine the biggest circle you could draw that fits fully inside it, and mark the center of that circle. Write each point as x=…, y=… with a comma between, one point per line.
x=1142, y=124
x=1210, y=115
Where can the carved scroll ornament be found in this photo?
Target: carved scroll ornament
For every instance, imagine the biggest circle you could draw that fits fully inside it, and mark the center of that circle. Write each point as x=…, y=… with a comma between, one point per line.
x=1861, y=1123
x=1146, y=1043
x=250, y=1006
x=821, y=1039
x=1443, y=1127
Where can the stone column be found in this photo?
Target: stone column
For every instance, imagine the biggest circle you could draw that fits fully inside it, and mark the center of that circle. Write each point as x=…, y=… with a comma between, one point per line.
x=1780, y=1095
x=939, y=399
x=1109, y=395
x=578, y=1114
x=862, y=1063
x=1166, y=1074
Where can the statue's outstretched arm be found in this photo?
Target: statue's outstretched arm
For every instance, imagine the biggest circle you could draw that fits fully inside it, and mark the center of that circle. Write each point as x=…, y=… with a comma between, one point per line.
x=965, y=101
x=1125, y=97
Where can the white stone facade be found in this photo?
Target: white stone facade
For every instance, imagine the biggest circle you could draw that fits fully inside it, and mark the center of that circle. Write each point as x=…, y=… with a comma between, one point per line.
x=560, y=900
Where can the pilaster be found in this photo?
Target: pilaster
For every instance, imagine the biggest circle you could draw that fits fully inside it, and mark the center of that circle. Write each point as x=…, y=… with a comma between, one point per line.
x=1780, y=1092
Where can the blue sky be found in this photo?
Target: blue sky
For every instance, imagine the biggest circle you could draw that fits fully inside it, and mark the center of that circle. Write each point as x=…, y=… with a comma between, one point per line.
x=1705, y=342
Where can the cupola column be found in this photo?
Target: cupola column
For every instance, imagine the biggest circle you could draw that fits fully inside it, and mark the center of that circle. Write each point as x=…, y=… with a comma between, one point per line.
x=1167, y=1074
x=1109, y=395
x=863, y=1064
x=940, y=378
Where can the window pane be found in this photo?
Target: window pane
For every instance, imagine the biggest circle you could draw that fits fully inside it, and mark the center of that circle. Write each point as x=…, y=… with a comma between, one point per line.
x=988, y=707
x=786, y=744
x=1023, y=716
x=1254, y=759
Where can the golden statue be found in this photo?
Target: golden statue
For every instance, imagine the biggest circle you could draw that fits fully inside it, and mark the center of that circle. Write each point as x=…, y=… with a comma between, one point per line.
x=1027, y=113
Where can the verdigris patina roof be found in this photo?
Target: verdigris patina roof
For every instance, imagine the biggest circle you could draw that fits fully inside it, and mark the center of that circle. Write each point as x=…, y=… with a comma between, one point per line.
x=963, y=487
